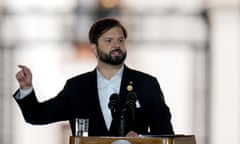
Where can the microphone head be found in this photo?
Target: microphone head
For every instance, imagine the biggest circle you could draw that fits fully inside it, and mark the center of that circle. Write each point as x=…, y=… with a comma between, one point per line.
x=114, y=101
x=114, y=97
x=132, y=96
x=131, y=99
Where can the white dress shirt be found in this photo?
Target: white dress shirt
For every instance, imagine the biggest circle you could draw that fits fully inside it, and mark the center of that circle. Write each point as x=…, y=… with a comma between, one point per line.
x=105, y=89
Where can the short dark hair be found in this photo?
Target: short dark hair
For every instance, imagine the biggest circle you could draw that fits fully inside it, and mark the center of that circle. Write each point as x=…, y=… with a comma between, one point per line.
x=103, y=25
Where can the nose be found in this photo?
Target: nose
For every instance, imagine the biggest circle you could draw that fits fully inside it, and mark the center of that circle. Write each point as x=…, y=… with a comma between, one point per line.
x=116, y=43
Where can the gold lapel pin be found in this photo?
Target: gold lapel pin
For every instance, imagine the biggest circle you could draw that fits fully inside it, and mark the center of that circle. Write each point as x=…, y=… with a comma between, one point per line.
x=130, y=87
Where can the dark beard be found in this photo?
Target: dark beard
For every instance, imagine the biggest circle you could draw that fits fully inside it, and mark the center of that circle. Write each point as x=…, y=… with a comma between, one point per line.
x=107, y=58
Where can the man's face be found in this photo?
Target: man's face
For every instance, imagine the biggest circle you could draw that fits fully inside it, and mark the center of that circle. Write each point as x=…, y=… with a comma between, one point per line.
x=111, y=47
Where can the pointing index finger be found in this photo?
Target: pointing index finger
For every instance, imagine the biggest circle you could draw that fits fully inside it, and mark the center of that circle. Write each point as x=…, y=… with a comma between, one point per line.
x=21, y=66
x=24, y=68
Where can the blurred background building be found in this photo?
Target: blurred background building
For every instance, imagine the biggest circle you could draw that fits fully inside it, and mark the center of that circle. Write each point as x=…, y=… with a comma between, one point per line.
x=191, y=46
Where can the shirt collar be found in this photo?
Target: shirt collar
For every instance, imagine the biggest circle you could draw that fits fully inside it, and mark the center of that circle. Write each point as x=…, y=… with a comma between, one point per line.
x=116, y=76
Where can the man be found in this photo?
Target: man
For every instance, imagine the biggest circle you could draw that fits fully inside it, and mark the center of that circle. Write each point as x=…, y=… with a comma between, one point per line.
x=87, y=95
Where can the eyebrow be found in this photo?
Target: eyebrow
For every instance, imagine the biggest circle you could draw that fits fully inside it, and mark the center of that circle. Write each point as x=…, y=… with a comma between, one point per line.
x=109, y=37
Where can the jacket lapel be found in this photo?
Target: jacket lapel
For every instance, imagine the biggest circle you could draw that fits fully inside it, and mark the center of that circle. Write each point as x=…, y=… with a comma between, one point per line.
x=125, y=83
x=97, y=101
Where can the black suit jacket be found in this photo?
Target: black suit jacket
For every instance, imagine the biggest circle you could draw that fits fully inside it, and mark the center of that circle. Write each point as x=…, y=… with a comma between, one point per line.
x=79, y=99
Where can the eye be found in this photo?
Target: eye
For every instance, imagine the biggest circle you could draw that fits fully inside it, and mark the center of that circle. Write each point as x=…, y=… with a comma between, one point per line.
x=108, y=40
x=121, y=40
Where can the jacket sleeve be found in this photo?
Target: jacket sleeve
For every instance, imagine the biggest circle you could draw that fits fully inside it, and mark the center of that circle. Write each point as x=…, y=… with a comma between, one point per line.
x=52, y=110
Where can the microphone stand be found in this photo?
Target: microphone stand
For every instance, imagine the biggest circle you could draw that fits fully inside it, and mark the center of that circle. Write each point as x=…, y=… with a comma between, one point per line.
x=121, y=116
x=122, y=125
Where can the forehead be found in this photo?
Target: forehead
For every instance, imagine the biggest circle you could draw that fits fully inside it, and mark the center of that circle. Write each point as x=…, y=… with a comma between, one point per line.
x=113, y=32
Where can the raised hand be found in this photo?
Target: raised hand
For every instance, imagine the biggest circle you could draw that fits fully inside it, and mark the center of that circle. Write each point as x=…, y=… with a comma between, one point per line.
x=24, y=77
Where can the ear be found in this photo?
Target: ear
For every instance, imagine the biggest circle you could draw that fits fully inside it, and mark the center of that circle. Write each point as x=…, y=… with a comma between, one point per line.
x=94, y=49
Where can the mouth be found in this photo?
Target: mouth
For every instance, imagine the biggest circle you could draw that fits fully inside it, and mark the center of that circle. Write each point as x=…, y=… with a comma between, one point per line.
x=116, y=52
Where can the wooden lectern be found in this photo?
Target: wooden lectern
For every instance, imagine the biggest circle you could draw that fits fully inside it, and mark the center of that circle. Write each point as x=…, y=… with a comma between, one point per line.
x=178, y=139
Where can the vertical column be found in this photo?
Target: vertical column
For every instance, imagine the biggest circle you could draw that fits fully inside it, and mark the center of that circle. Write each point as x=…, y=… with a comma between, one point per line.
x=1, y=98
x=5, y=95
x=200, y=92
x=225, y=73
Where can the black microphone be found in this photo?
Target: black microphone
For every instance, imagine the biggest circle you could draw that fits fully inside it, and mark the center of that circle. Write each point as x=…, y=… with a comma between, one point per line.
x=117, y=115
x=130, y=107
x=114, y=103
x=131, y=100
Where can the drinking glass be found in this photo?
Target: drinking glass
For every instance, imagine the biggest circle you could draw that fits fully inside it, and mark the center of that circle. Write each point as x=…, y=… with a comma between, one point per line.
x=81, y=127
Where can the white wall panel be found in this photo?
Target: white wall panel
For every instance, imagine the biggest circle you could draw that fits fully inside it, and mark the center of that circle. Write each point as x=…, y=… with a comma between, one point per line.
x=225, y=92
